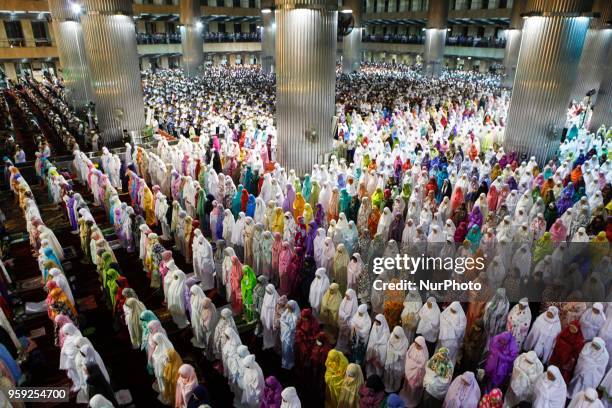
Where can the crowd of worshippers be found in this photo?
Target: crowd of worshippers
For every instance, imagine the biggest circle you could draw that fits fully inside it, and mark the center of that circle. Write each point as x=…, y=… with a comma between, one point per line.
x=219, y=101
x=294, y=255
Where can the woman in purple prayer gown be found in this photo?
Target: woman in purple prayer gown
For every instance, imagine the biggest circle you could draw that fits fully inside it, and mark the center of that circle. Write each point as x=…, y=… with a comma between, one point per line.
x=188, y=284
x=310, y=236
x=566, y=199
x=271, y=397
x=320, y=216
x=289, y=198
x=503, y=350
x=475, y=217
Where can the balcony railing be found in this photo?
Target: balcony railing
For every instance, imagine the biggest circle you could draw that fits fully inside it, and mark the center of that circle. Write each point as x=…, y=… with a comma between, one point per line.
x=158, y=38
x=458, y=41
x=232, y=37
x=21, y=42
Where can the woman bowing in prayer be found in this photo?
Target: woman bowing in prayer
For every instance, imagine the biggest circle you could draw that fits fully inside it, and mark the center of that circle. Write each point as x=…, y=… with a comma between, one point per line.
x=464, y=391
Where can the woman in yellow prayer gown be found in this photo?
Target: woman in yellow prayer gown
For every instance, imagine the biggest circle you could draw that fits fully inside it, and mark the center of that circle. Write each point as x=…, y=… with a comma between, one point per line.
x=335, y=371
x=349, y=390
x=298, y=206
x=278, y=224
x=149, y=206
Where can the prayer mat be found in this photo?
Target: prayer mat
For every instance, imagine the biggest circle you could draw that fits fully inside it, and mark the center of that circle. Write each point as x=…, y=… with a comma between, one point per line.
x=87, y=303
x=29, y=284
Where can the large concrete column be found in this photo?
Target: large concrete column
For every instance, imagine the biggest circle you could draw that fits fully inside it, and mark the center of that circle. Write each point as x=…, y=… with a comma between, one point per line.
x=351, y=52
x=110, y=45
x=435, y=37
x=305, y=81
x=71, y=50
x=513, y=43
x=602, y=111
x=268, y=40
x=595, y=54
x=192, y=39
x=551, y=45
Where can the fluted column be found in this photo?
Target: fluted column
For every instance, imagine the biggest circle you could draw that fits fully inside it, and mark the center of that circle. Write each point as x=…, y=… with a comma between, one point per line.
x=513, y=43
x=351, y=44
x=602, y=109
x=110, y=44
x=594, y=60
x=71, y=49
x=551, y=45
x=268, y=40
x=435, y=37
x=192, y=40
x=305, y=80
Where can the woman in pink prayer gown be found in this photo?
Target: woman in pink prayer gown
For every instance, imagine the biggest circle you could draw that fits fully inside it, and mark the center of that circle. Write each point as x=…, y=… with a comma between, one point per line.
x=235, y=279
x=416, y=359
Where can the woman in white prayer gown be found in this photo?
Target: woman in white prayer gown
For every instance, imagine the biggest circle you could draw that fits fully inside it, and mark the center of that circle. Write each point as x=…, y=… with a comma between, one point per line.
x=543, y=334
x=196, y=300
x=319, y=246
x=591, y=321
x=395, y=360
x=550, y=390
x=348, y=308
x=290, y=399
x=235, y=370
x=464, y=392
x=590, y=368
x=521, y=260
x=87, y=354
x=519, y=320
x=238, y=233
x=384, y=223
x=206, y=263
x=527, y=369
x=176, y=299
x=62, y=282
x=229, y=351
x=452, y=329
x=327, y=257
x=226, y=320
x=228, y=225
x=132, y=308
x=251, y=382
x=68, y=353
x=586, y=399
x=318, y=287
x=268, y=311
x=226, y=271
x=429, y=323
x=376, y=353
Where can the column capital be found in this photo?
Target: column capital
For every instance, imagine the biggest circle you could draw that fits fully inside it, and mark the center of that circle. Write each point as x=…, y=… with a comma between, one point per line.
x=329, y=5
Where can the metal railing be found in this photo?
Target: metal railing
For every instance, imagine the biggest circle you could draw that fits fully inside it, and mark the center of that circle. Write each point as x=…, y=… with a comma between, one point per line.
x=21, y=42
x=457, y=41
